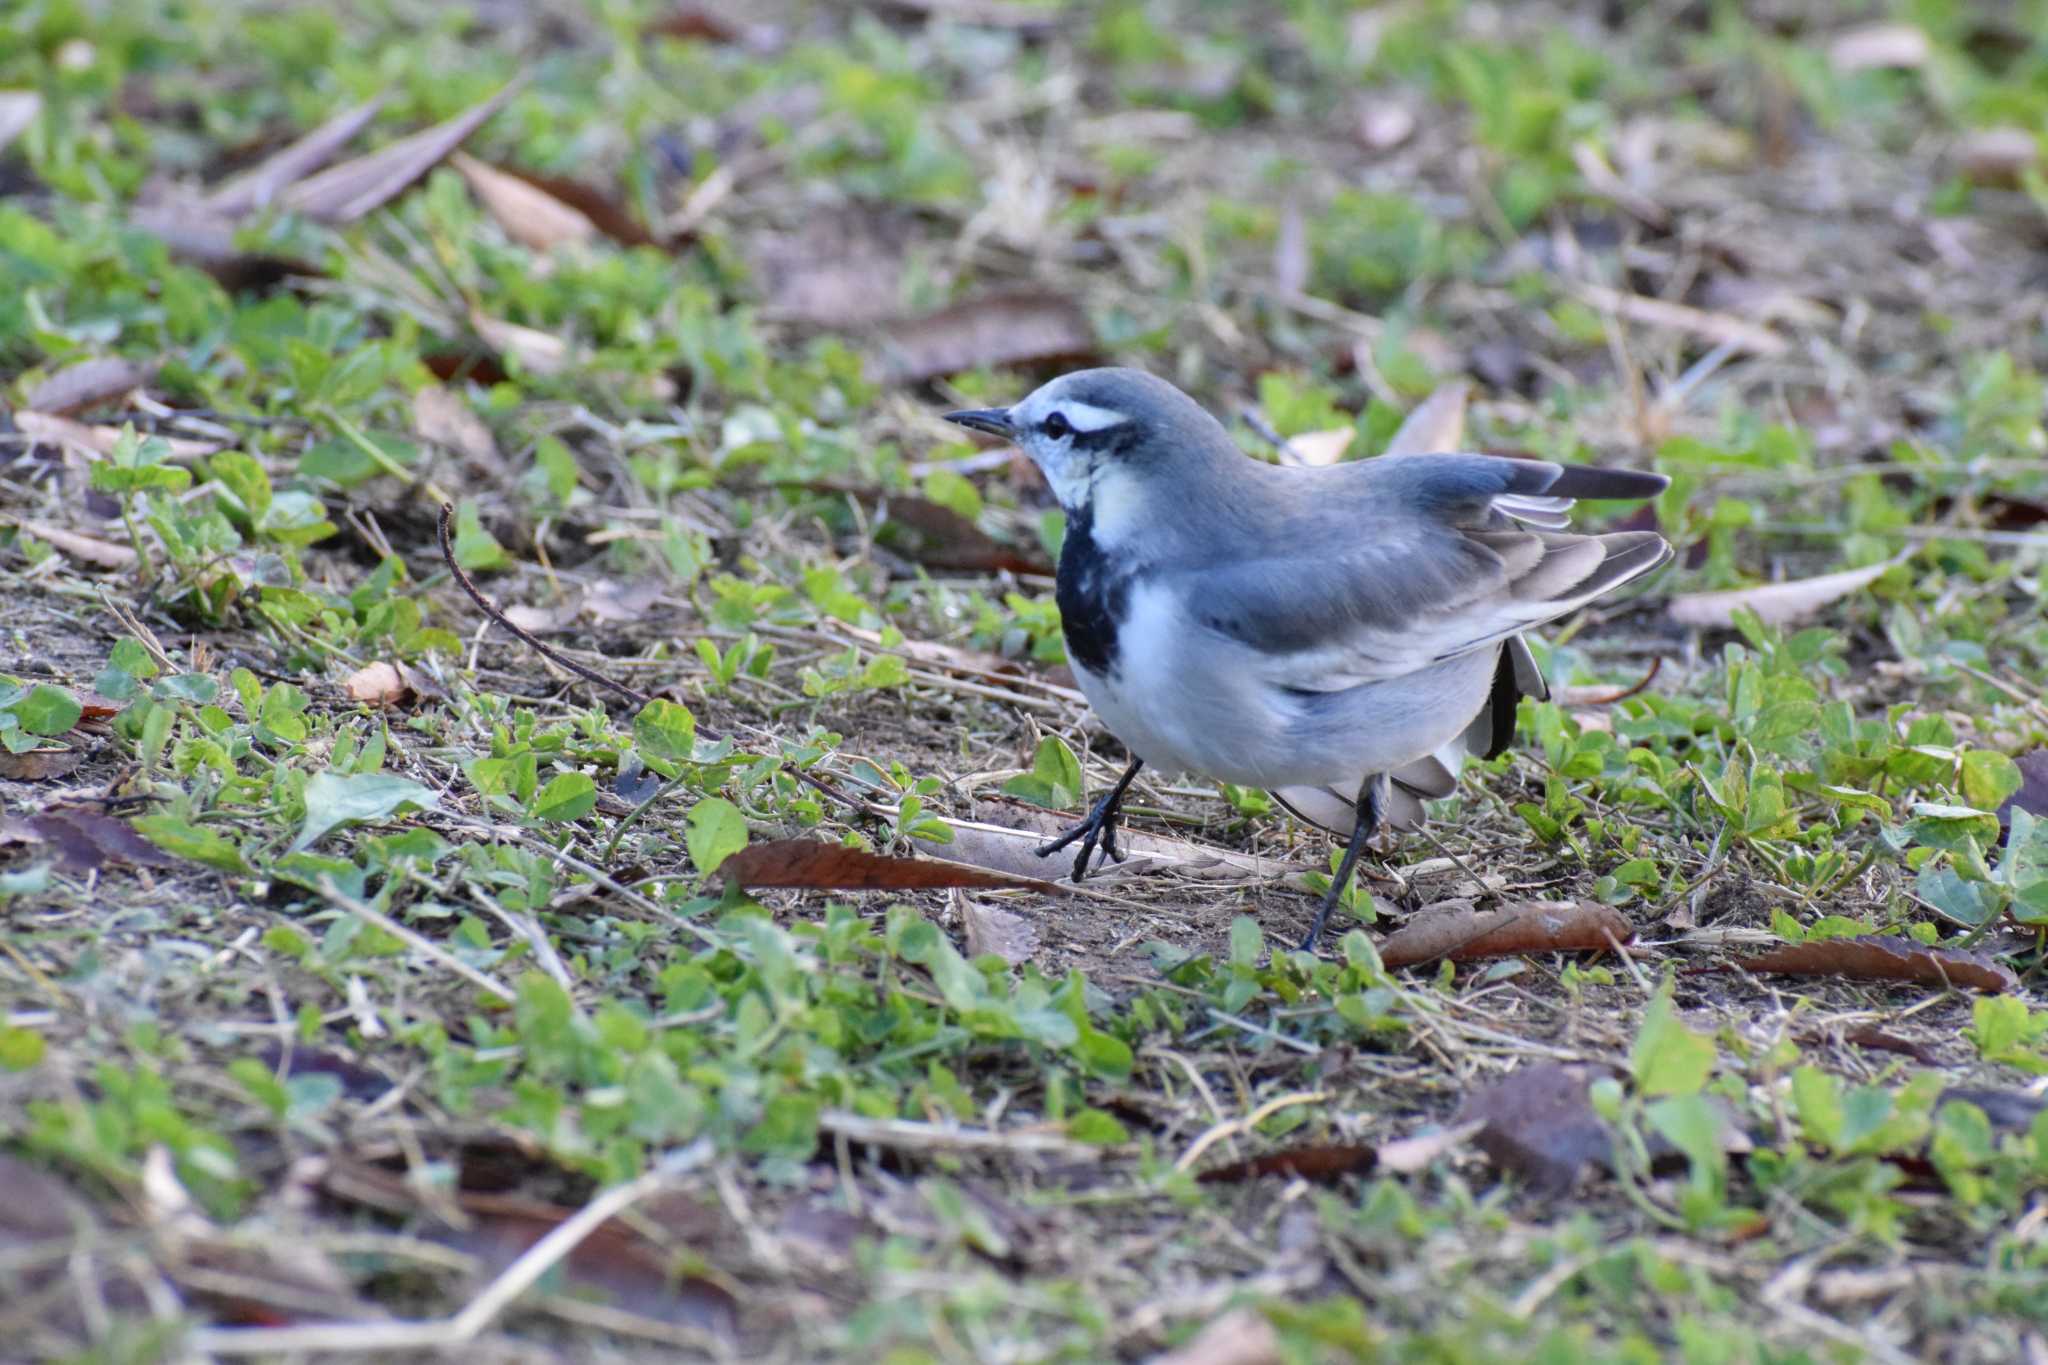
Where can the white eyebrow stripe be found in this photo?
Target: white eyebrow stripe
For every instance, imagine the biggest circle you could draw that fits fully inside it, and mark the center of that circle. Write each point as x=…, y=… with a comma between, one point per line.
x=1086, y=417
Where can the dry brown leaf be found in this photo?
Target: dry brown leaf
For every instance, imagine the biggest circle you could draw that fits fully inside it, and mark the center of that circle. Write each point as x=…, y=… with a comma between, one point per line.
x=89, y=549
x=1874, y=47
x=84, y=840
x=1455, y=930
x=38, y=765
x=387, y=684
x=100, y=440
x=540, y=352
x=1774, y=603
x=810, y=864
x=89, y=381
x=992, y=929
x=206, y=238
x=1320, y=1161
x=1318, y=448
x=1997, y=156
x=1538, y=1122
x=256, y=187
x=530, y=215
x=1437, y=425
x=606, y=214
x=444, y=419
x=1719, y=328
x=344, y=193
x=1886, y=957
x=18, y=109
x=716, y=23
x=1003, y=329
x=939, y=538
x=1243, y=1336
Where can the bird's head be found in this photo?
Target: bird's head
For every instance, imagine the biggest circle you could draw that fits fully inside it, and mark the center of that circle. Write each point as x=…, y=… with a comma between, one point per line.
x=1105, y=435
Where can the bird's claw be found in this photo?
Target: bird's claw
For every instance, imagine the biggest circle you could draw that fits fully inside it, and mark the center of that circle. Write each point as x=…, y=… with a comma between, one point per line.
x=1098, y=830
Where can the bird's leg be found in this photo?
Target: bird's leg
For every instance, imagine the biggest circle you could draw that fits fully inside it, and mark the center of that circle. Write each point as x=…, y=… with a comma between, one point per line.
x=1372, y=798
x=1100, y=826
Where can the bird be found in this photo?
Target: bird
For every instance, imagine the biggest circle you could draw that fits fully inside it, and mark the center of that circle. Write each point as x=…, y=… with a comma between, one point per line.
x=1342, y=636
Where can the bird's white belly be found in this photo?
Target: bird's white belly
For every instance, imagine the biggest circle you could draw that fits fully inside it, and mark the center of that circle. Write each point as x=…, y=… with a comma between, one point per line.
x=1187, y=700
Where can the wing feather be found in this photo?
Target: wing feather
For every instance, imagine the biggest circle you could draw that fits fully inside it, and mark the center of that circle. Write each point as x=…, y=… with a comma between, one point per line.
x=1380, y=568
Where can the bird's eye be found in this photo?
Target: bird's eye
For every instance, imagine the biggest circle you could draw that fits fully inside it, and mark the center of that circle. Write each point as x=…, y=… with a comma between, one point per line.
x=1057, y=426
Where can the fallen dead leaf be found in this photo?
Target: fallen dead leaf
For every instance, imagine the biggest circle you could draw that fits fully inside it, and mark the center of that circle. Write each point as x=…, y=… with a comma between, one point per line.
x=1997, y=157
x=604, y=212
x=89, y=549
x=1875, y=47
x=1437, y=425
x=89, y=381
x=810, y=864
x=1774, y=603
x=206, y=238
x=100, y=440
x=1243, y=1336
x=1002, y=329
x=441, y=417
x=388, y=684
x=724, y=23
x=18, y=109
x=1877, y=1040
x=530, y=215
x=541, y=352
x=84, y=840
x=1887, y=957
x=1538, y=1123
x=38, y=765
x=1455, y=930
x=940, y=538
x=1322, y=1161
x=992, y=929
x=254, y=188
x=344, y=193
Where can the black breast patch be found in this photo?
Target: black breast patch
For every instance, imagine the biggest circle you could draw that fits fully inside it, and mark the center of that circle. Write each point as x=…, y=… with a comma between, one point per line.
x=1093, y=592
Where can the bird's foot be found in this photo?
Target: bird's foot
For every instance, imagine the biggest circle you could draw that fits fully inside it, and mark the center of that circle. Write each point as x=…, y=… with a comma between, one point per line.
x=1099, y=829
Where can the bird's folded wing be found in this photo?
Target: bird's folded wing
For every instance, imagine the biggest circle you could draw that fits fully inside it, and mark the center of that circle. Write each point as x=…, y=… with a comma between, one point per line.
x=1445, y=561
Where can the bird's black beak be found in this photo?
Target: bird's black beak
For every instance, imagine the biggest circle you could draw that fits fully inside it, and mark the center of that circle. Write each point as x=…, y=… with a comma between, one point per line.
x=994, y=421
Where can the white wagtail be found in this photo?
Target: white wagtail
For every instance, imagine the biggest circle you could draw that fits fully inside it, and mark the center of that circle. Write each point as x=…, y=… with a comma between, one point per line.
x=1341, y=636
